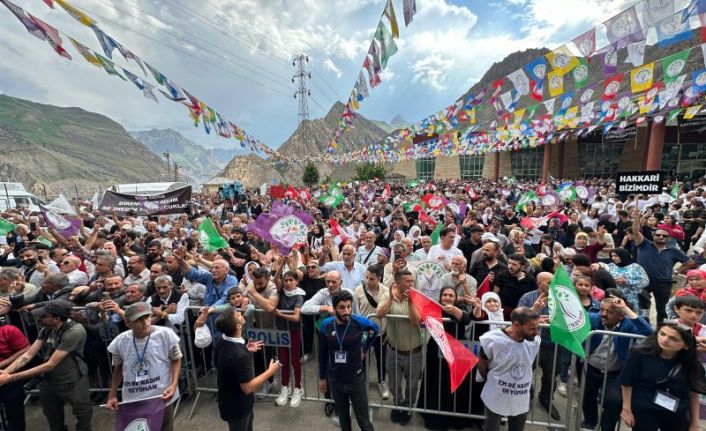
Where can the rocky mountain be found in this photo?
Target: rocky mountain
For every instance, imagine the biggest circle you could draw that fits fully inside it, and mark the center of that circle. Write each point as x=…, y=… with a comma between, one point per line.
x=226, y=154
x=196, y=161
x=311, y=137
x=396, y=123
x=64, y=149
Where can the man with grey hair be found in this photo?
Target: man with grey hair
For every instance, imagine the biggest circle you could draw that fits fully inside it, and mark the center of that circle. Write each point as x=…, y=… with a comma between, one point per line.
x=352, y=273
x=463, y=283
x=69, y=266
x=321, y=302
x=168, y=305
x=55, y=286
x=401, y=262
x=423, y=252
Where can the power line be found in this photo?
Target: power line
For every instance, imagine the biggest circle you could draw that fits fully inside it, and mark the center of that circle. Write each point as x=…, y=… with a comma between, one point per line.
x=302, y=92
x=192, y=56
x=325, y=81
x=279, y=78
x=206, y=21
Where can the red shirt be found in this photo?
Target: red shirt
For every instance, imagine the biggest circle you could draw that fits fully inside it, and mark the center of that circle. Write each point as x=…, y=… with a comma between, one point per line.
x=12, y=340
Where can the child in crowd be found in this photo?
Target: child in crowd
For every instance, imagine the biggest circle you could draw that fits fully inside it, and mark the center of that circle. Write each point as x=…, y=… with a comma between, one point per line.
x=291, y=299
x=690, y=312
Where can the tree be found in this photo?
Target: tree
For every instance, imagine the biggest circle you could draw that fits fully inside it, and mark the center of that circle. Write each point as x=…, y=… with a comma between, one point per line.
x=310, y=175
x=369, y=171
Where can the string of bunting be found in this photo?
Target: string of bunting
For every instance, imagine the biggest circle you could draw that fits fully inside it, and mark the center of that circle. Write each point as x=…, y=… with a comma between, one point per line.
x=382, y=47
x=512, y=103
x=199, y=111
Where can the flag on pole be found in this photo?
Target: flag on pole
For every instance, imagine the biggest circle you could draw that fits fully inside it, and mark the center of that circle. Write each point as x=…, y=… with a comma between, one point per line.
x=283, y=227
x=335, y=231
x=483, y=288
x=65, y=228
x=435, y=235
x=6, y=226
x=209, y=237
x=675, y=190
x=424, y=217
x=568, y=321
x=459, y=359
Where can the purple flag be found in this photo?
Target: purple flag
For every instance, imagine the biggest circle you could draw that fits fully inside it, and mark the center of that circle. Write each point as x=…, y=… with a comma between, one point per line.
x=283, y=226
x=66, y=228
x=146, y=414
x=458, y=209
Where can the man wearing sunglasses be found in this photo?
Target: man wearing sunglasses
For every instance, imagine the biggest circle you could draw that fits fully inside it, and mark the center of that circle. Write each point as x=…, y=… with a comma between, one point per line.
x=658, y=259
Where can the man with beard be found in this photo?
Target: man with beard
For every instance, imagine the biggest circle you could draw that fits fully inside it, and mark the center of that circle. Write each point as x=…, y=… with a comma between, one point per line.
x=343, y=342
x=32, y=269
x=368, y=252
x=489, y=266
x=658, y=261
x=506, y=355
x=65, y=374
x=512, y=283
x=170, y=267
x=156, y=270
x=137, y=271
x=469, y=245
x=154, y=253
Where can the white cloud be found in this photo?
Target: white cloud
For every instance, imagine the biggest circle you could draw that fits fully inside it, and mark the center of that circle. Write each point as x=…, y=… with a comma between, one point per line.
x=432, y=71
x=331, y=66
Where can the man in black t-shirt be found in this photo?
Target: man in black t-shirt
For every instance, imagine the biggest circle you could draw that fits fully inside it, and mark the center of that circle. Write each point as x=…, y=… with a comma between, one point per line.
x=512, y=283
x=311, y=283
x=236, y=372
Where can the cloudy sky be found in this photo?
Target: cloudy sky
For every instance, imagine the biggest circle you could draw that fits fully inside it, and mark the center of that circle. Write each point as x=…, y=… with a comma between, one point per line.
x=236, y=55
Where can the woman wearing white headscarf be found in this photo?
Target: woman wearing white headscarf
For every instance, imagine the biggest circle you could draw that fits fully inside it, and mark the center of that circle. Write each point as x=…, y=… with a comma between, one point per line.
x=415, y=234
x=398, y=237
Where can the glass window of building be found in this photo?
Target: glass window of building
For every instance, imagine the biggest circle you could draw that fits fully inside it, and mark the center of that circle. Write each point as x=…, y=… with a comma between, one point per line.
x=527, y=163
x=471, y=166
x=425, y=168
x=598, y=159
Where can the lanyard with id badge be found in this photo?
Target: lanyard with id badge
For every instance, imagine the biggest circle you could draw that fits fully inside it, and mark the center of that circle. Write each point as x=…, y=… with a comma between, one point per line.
x=141, y=366
x=664, y=398
x=340, y=356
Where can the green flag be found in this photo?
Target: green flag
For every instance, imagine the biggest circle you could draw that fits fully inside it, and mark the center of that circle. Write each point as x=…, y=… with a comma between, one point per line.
x=388, y=47
x=675, y=190
x=412, y=183
x=435, y=234
x=6, y=227
x=580, y=73
x=673, y=65
x=568, y=321
x=209, y=237
x=413, y=206
x=109, y=66
x=331, y=200
x=335, y=191
x=525, y=199
x=568, y=194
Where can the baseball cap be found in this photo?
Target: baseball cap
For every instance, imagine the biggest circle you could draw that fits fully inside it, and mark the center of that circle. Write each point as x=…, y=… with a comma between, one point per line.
x=56, y=307
x=137, y=310
x=488, y=236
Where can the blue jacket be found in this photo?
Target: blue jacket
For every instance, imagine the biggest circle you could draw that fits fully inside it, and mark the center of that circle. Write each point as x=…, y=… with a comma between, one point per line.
x=359, y=337
x=621, y=345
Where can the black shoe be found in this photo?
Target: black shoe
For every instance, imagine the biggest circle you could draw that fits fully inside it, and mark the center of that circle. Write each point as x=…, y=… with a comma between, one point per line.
x=587, y=426
x=553, y=412
x=404, y=417
x=394, y=416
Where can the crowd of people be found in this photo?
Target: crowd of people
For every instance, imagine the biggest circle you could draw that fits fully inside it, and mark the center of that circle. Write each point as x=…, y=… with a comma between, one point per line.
x=127, y=286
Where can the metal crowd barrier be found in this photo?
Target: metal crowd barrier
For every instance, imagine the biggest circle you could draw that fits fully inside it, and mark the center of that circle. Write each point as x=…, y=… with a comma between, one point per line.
x=199, y=371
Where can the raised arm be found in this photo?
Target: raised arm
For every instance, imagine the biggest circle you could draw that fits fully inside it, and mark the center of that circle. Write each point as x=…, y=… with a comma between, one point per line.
x=636, y=231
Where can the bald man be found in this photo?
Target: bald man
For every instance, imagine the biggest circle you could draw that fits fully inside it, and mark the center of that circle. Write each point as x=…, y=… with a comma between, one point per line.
x=537, y=300
x=352, y=273
x=69, y=266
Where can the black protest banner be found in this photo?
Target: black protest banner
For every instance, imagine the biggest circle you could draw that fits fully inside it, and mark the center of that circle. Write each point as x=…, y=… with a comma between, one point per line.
x=640, y=182
x=616, y=135
x=694, y=124
x=174, y=202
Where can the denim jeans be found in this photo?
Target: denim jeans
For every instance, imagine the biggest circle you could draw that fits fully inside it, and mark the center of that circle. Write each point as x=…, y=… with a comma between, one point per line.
x=355, y=392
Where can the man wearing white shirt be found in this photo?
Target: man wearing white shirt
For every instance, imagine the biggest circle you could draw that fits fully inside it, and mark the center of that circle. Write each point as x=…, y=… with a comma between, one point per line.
x=369, y=252
x=423, y=252
x=168, y=305
x=69, y=266
x=445, y=250
x=352, y=272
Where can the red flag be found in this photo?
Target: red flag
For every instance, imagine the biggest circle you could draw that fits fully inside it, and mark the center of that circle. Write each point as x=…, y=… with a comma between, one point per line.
x=611, y=86
x=527, y=223
x=459, y=359
x=425, y=306
x=291, y=192
x=433, y=201
x=335, y=231
x=386, y=192
x=423, y=216
x=304, y=195
x=483, y=288
x=563, y=218
x=536, y=89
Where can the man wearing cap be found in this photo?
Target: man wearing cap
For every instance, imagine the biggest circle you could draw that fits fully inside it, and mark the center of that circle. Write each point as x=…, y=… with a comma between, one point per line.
x=147, y=361
x=64, y=374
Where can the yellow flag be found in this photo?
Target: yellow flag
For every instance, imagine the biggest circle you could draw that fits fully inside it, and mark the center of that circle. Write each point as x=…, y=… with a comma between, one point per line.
x=555, y=83
x=641, y=77
x=562, y=60
x=471, y=116
x=390, y=14
x=353, y=101
x=77, y=14
x=518, y=116
x=571, y=114
x=85, y=52
x=691, y=111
